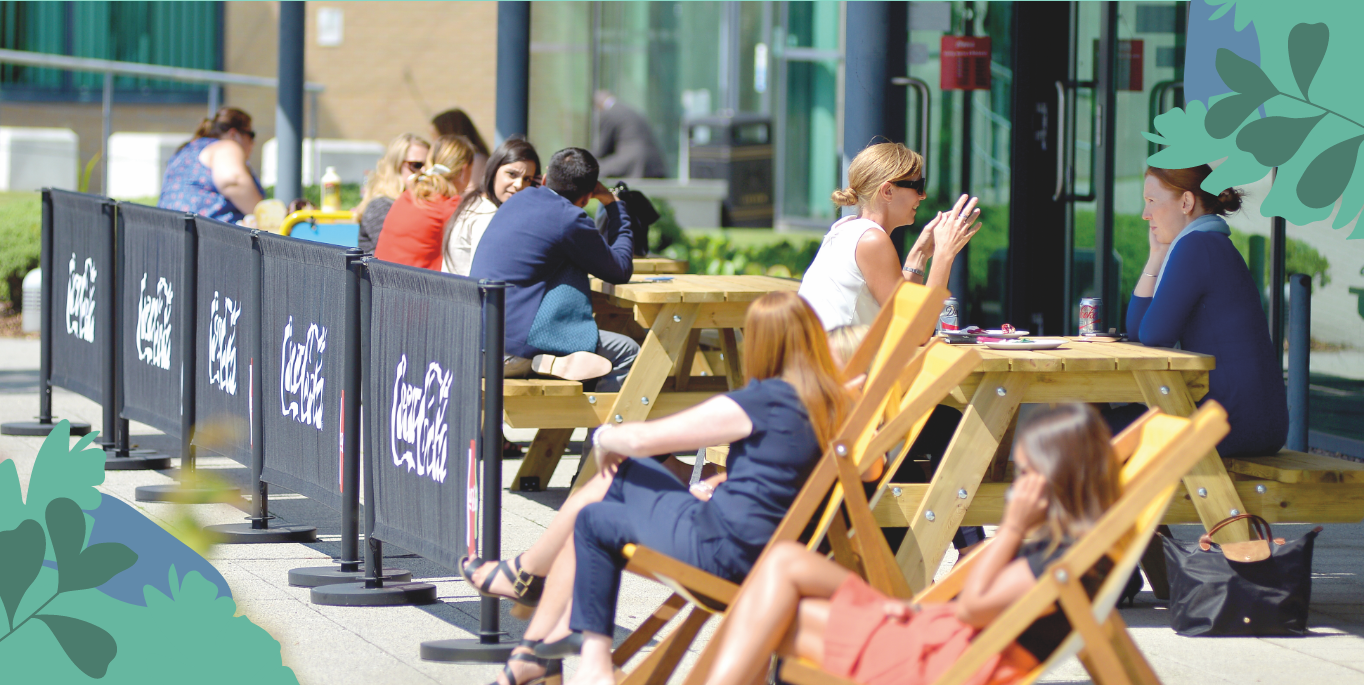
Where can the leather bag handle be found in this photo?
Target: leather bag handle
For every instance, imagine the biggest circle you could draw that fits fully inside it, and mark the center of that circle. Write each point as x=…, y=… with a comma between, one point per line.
x=1257, y=524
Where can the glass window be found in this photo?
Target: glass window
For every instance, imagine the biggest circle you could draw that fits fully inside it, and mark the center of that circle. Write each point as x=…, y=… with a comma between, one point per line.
x=176, y=34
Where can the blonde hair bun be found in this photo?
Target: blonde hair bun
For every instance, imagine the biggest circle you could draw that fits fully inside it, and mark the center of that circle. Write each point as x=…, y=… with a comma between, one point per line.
x=846, y=197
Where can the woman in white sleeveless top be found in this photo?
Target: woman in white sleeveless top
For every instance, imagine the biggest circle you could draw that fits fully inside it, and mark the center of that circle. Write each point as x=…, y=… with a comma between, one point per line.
x=856, y=268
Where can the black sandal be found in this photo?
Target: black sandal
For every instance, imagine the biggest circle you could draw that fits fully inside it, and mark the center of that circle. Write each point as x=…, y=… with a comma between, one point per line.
x=554, y=668
x=569, y=646
x=528, y=587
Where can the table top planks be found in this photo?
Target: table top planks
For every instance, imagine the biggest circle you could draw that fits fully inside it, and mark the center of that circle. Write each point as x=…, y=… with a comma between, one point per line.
x=692, y=288
x=1093, y=356
x=660, y=265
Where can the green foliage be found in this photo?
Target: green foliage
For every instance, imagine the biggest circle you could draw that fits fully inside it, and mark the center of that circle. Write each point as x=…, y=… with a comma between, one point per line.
x=721, y=255
x=21, y=218
x=83, y=183
x=350, y=194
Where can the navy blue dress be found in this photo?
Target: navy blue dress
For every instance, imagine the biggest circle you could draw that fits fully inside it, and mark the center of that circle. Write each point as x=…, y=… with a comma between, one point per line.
x=646, y=504
x=1207, y=303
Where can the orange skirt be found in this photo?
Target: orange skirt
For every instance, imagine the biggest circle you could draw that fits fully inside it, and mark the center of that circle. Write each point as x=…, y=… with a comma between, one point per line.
x=861, y=643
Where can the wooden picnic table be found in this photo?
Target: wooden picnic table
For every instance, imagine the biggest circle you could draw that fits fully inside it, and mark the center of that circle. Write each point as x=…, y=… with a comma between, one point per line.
x=660, y=265
x=669, y=316
x=1172, y=380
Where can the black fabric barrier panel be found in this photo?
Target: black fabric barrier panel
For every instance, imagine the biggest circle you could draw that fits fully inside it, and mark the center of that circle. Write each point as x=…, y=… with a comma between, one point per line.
x=82, y=291
x=153, y=312
x=304, y=351
x=422, y=406
x=229, y=322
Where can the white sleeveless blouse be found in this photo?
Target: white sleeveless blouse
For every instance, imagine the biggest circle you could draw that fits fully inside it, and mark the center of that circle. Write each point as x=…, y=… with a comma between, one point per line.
x=834, y=285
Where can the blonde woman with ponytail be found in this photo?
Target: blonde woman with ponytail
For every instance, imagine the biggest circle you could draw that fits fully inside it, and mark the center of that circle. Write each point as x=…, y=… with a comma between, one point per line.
x=856, y=269
x=414, y=228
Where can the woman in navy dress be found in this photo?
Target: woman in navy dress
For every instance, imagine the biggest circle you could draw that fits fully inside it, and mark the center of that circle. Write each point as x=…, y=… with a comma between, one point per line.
x=1195, y=291
x=776, y=428
x=208, y=175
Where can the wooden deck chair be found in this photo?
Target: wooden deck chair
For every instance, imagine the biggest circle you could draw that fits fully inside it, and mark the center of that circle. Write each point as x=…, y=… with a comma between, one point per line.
x=905, y=381
x=1157, y=450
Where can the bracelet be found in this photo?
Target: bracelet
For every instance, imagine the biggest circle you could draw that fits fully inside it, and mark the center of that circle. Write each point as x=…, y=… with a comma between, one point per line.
x=709, y=489
x=1151, y=275
x=916, y=272
x=596, y=435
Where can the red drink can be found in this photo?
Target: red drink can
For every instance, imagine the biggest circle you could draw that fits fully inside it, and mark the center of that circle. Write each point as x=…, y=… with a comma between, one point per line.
x=950, y=319
x=1091, y=315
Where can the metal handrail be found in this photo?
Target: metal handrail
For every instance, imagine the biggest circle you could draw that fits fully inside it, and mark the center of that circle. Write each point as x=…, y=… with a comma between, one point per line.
x=1065, y=172
x=39, y=59
x=1155, y=107
x=925, y=102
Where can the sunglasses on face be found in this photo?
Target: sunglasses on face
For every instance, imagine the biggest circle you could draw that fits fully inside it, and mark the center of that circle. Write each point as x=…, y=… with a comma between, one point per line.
x=249, y=134
x=414, y=167
x=917, y=184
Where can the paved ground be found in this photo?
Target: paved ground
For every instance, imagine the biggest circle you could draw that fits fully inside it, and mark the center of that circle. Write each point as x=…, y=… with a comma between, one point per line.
x=339, y=646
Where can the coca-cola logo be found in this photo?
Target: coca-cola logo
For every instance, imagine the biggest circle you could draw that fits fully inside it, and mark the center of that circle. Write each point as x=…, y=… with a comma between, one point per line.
x=300, y=376
x=154, y=323
x=222, y=343
x=80, y=300
x=418, y=434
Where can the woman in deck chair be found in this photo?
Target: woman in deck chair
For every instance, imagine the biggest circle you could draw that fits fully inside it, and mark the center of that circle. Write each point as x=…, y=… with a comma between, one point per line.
x=801, y=604
x=776, y=428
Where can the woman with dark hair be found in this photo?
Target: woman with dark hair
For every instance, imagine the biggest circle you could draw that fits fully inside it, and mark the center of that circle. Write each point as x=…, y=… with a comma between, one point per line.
x=208, y=175
x=454, y=122
x=512, y=167
x=803, y=604
x=1195, y=291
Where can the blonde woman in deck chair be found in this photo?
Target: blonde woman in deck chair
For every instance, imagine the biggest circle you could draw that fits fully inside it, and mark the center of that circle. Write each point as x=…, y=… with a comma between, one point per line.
x=802, y=604
x=777, y=428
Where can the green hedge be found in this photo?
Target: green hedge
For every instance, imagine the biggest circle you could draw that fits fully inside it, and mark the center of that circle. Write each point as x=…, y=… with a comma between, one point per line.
x=21, y=217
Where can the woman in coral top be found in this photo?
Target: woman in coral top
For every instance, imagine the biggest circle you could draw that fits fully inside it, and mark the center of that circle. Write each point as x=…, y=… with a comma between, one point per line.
x=415, y=226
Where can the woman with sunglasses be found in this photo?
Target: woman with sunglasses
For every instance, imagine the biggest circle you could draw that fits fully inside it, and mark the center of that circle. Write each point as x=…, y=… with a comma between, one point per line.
x=399, y=166
x=512, y=168
x=208, y=175
x=415, y=226
x=856, y=268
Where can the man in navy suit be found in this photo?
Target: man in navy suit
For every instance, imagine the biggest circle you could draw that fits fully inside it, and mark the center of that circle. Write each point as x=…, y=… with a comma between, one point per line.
x=544, y=246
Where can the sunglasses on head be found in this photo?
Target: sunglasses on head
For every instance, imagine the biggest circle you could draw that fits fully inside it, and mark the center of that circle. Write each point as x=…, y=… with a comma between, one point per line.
x=917, y=184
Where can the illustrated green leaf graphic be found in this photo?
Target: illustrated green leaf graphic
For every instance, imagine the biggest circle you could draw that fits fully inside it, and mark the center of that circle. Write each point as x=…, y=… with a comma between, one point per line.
x=95, y=566
x=88, y=646
x=66, y=527
x=21, y=558
x=1306, y=48
x=1228, y=113
x=1274, y=140
x=1243, y=75
x=1326, y=177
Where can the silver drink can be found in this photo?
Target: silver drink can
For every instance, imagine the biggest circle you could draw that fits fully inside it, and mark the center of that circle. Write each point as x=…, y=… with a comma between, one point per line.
x=1091, y=315
x=950, y=319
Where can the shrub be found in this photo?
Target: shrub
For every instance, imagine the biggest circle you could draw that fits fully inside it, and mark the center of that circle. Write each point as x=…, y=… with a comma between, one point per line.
x=20, y=242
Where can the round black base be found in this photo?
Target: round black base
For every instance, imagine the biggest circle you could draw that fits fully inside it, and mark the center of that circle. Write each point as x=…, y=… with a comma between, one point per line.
x=40, y=429
x=243, y=533
x=357, y=595
x=467, y=651
x=136, y=462
x=180, y=494
x=317, y=576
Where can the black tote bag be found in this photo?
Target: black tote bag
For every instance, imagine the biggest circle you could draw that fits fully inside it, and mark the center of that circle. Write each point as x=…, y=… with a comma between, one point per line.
x=1260, y=587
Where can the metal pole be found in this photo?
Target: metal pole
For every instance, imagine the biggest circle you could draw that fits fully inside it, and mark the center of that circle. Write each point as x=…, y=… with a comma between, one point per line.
x=1299, y=354
x=959, y=282
x=864, y=87
x=215, y=98
x=187, y=352
x=315, y=175
x=115, y=437
x=108, y=115
x=513, y=70
x=1278, y=240
x=260, y=501
x=1106, y=94
x=491, y=448
x=289, y=110
x=45, y=325
x=357, y=367
x=374, y=550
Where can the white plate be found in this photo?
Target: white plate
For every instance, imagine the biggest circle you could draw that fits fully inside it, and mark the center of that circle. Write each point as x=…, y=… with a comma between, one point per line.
x=1044, y=344
x=1002, y=334
x=1097, y=338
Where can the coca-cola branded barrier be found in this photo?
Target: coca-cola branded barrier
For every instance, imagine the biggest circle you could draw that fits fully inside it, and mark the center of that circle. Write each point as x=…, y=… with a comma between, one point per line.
x=227, y=331
x=82, y=274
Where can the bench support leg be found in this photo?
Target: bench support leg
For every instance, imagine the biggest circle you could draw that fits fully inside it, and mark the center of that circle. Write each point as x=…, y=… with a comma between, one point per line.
x=543, y=456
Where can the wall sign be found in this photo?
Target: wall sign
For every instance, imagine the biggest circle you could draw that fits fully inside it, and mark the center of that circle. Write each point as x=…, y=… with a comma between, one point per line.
x=965, y=63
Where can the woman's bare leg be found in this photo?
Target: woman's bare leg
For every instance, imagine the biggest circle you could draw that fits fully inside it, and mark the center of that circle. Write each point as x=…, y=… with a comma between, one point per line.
x=541, y=556
x=595, y=667
x=552, y=611
x=759, y=621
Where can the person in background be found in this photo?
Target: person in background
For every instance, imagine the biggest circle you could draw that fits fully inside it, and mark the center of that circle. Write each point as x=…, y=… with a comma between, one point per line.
x=544, y=246
x=394, y=173
x=626, y=146
x=208, y=175
x=415, y=225
x=855, y=270
x=1195, y=291
x=454, y=122
x=512, y=168
x=777, y=427
x=800, y=603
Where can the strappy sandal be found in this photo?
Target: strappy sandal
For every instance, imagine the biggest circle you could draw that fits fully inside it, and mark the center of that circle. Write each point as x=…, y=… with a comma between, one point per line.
x=526, y=586
x=554, y=668
x=568, y=646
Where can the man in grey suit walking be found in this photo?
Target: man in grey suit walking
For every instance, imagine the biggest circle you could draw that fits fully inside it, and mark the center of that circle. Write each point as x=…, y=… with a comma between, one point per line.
x=626, y=147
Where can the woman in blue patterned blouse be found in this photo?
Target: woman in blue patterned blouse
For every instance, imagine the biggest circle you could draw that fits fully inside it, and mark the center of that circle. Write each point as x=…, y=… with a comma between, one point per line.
x=208, y=175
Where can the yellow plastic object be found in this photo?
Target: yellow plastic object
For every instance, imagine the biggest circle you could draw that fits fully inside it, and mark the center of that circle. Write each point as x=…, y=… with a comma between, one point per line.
x=316, y=216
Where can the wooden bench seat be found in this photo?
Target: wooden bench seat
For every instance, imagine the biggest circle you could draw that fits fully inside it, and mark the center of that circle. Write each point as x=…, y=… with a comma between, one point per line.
x=540, y=387
x=1296, y=467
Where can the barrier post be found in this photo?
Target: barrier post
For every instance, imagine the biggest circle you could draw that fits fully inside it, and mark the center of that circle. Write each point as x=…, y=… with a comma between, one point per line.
x=342, y=588
x=1299, y=356
x=118, y=453
x=44, y=424
x=489, y=647
x=258, y=530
